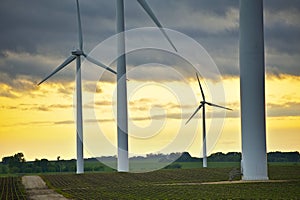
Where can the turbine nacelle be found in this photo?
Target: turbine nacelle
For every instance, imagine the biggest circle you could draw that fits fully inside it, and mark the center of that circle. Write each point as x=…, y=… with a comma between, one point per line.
x=77, y=52
x=202, y=103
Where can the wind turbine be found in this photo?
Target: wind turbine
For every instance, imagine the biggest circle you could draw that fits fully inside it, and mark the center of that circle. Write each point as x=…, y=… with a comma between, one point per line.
x=122, y=111
x=76, y=54
x=202, y=105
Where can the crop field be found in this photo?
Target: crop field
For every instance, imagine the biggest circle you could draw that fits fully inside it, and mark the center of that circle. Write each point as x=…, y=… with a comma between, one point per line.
x=11, y=188
x=90, y=166
x=176, y=184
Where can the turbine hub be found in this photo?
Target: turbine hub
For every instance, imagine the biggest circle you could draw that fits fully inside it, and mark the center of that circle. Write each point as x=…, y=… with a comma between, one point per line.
x=77, y=52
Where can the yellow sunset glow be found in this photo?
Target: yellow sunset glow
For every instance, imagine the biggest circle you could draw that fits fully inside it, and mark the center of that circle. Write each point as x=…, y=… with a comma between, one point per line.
x=40, y=123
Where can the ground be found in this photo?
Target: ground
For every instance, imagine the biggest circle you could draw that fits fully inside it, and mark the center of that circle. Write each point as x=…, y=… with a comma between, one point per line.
x=36, y=189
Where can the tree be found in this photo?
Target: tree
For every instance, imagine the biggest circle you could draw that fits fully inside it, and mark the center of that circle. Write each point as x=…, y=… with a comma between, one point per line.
x=19, y=157
x=15, y=163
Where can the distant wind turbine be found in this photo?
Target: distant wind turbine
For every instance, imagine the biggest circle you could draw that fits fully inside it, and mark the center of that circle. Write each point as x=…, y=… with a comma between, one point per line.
x=76, y=54
x=202, y=105
x=122, y=111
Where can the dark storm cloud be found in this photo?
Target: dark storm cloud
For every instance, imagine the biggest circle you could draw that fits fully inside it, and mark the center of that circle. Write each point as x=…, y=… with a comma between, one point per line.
x=283, y=38
x=35, y=25
x=25, y=64
x=163, y=65
x=27, y=24
x=36, y=35
x=277, y=5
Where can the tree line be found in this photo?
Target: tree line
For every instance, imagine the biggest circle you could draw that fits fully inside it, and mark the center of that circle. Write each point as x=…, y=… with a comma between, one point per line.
x=18, y=164
x=237, y=156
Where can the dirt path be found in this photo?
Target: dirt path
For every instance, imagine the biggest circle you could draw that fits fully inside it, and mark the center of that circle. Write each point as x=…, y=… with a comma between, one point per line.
x=36, y=189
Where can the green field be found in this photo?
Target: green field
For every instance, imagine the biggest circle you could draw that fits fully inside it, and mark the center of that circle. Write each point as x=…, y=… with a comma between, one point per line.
x=185, y=183
x=139, y=165
x=174, y=184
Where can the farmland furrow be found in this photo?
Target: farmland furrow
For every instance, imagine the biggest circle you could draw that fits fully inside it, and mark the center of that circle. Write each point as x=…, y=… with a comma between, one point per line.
x=2, y=181
x=11, y=189
x=174, y=184
x=7, y=188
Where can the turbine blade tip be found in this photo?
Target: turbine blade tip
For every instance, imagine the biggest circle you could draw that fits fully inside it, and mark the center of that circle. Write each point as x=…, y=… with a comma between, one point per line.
x=39, y=83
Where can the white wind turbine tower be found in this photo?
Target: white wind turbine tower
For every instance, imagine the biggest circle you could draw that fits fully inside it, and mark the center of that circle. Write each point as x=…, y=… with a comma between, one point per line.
x=122, y=112
x=202, y=105
x=76, y=54
x=252, y=87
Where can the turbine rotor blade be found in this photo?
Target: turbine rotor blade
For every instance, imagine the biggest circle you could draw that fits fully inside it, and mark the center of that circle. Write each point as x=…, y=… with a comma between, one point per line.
x=215, y=105
x=65, y=63
x=200, y=87
x=151, y=14
x=79, y=26
x=199, y=107
x=94, y=61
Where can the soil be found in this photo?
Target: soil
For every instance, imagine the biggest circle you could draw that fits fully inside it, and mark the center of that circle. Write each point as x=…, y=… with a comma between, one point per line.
x=36, y=189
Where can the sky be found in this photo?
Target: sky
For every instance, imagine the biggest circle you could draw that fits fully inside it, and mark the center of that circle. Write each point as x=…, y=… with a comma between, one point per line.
x=36, y=36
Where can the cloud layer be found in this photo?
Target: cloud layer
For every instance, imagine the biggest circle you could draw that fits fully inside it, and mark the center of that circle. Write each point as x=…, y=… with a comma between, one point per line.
x=36, y=36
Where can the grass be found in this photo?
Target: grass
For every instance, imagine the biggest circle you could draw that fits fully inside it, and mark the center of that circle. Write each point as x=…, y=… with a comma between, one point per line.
x=197, y=165
x=160, y=184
